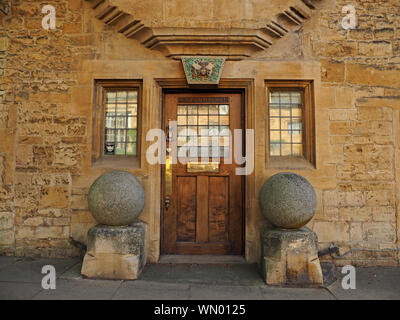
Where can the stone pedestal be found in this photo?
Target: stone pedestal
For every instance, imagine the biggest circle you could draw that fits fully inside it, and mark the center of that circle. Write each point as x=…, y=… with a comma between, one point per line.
x=115, y=252
x=290, y=257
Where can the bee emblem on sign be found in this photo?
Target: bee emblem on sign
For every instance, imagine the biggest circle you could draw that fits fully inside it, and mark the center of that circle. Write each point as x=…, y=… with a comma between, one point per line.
x=203, y=68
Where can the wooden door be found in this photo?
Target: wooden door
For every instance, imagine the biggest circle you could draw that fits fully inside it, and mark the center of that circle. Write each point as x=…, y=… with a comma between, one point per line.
x=202, y=197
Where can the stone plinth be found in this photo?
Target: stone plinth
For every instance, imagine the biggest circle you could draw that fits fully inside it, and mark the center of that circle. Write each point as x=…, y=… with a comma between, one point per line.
x=115, y=252
x=290, y=257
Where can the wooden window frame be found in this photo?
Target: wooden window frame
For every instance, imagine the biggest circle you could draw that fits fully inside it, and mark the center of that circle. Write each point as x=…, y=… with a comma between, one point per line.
x=308, y=160
x=98, y=156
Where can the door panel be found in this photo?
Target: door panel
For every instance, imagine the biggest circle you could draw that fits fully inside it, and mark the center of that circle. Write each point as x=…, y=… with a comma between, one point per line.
x=218, y=209
x=186, y=209
x=203, y=213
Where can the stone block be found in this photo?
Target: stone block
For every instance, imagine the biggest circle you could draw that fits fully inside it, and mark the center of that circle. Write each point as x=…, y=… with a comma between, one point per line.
x=290, y=257
x=115, y=252
x=332, y=231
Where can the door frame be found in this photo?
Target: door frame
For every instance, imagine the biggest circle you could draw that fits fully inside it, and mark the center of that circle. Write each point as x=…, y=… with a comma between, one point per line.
x=243, y=86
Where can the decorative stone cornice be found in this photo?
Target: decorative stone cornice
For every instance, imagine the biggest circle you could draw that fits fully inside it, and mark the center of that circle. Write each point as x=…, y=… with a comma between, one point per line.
x=234, y=43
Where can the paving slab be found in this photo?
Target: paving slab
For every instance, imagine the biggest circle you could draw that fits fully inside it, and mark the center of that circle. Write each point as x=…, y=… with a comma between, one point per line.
x=6, y=261
x=31, y=270
x=201, y=259
x=147, y=290
x=371, y=284
x=218, y=292
x=73, y=272
x=276, y=293
x=219, y=274
x=83, y=289
x=18, y=290
x=21, y=279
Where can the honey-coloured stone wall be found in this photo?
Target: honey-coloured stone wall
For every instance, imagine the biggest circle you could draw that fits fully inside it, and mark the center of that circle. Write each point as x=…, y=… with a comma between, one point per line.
x=46, y=108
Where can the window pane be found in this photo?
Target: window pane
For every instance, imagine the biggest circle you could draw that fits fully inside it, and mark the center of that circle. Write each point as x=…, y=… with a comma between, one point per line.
x=213, y=120
x=284, y=98
x=224, y=131
x=203, y=120
x=182, y=120
x=224, y=120
x=120, y=149
x=274, y=111
x=182, y=131
x=296, y=98
x=131, y=135
x=213, y=131
x=203, y=109
x=110, y=135
x=285, y=110
x=296, y=111
x=285, y=123
x=192, y=131
x=120, y=122
x=192, y=110
x=274, y=97
x=132, y=110
x=110, y=108
x=181, y=141
x=131, y=149
x=203, y=130
x=110, y=122
x=192, y=120
x=121, y=96
x=214, y=109
x=275, y=149
x=111, y=96
x=132, y=96
x=120, y=135
x=224, y=109
x=297, y=137
x=274, y=123
x=121, y=109
x=297, y=150
x=286, y=150
x=132, y=123
x=275, y=137
x=224, y=141
x=182, y=110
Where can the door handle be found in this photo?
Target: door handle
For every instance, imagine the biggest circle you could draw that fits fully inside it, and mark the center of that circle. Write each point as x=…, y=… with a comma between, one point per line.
x=167, y=203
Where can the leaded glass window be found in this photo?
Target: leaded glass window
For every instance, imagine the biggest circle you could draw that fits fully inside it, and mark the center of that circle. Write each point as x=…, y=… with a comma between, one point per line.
x=286, y=123
x=121, y=122
x=203, y=130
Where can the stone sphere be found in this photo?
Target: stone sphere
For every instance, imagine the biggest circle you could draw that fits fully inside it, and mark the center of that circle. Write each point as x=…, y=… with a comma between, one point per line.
x=116, y=198
x=288, y=200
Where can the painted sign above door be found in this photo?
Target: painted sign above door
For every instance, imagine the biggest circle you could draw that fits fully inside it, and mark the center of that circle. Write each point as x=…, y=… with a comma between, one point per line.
x=203, y=70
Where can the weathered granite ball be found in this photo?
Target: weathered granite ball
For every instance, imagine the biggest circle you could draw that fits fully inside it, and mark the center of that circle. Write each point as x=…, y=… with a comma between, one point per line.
x=288, y=200
x=116, y=198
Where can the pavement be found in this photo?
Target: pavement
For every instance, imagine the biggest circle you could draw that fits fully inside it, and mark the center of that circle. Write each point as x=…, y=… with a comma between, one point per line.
x=21, y=279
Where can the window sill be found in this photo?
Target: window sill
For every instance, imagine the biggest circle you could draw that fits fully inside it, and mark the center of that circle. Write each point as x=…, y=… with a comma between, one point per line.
x=289, y=163
x=117, y=162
